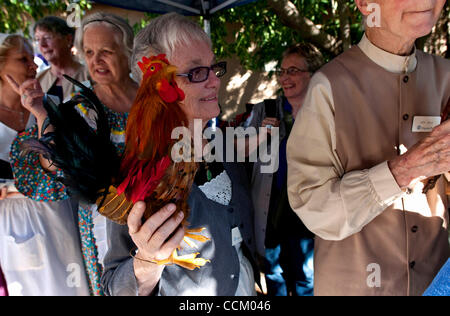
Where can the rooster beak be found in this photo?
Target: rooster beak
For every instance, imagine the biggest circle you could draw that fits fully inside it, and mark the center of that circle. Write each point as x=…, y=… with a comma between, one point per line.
x=171, y=69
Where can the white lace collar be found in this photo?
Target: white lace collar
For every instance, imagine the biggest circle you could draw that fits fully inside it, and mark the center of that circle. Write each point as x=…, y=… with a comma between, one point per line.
x=218, y=189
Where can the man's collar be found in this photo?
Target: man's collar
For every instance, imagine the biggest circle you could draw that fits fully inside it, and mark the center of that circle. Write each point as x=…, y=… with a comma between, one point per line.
x=388, y=61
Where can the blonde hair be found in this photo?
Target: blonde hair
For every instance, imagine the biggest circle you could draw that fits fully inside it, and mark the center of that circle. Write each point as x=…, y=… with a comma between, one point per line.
x=11, y=42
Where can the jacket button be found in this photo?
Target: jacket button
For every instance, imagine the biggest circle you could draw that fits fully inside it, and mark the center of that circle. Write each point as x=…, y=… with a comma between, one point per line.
x=412, y=264
x=405, y=79
x=405, y=117
x=414, y=229
x=231, y=210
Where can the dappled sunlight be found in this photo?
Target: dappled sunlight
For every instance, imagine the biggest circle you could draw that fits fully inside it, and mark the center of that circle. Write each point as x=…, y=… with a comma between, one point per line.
x=237, y=81
x=240, y=87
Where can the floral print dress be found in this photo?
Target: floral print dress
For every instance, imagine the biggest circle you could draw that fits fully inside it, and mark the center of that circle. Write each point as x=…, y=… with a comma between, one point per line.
x=34, y=182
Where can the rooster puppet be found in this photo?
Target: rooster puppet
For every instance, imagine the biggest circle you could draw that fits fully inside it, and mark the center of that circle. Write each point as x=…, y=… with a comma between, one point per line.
x=96, y=174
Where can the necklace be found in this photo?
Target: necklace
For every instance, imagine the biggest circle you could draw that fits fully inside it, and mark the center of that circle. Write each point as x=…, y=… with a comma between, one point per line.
x=22, y=121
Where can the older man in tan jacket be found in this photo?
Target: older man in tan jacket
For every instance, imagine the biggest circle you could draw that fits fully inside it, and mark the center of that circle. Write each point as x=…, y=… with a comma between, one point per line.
x=360, y=150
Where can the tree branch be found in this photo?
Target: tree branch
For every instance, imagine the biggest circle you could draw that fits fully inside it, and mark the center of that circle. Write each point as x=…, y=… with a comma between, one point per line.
x=291, y=17
x=344, y=23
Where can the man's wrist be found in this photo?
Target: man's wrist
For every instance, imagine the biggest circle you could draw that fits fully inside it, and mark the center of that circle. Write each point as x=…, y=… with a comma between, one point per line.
x=400, y=172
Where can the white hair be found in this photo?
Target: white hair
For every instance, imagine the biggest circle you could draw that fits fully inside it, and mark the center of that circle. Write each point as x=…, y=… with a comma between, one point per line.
x=162, y=35
x=113, y=21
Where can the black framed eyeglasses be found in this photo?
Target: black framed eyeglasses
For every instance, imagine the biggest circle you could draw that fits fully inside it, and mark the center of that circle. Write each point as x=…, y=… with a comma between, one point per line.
x=291, y=71
x=200, y=74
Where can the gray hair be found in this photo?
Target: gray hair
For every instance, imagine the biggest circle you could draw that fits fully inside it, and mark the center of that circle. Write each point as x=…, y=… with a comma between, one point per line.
x=162, y=35
x=110, y=20
x=313, y=57
x=55, y=25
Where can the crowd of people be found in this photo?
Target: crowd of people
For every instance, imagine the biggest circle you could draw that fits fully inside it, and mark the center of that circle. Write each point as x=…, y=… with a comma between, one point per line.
x=345, y=213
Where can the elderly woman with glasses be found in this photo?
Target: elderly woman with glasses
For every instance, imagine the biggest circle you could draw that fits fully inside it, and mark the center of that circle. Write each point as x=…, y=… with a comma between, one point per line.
x=54, y=39
x=283, y=242
x=219, y=199
x=105, y=41
x=361, y=152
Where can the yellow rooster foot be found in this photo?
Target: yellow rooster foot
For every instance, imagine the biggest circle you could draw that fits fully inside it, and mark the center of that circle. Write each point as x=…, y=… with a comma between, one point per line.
x=191, y=234
x=189, y=261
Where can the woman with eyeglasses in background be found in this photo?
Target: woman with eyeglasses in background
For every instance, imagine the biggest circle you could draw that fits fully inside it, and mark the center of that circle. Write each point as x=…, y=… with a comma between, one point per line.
x=54, y=39
x=284, y=244
x=219, y=200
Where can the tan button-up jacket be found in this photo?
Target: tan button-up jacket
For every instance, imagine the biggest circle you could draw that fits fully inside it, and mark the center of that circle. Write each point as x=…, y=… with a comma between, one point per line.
x=47, y=80
x=372, y=238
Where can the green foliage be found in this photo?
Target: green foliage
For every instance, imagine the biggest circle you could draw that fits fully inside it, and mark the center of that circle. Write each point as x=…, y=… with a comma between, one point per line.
x=15, y=14
x=140, y=25
x=259, y=36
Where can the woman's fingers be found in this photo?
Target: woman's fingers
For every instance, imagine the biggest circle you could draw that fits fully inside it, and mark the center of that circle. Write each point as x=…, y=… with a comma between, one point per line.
x=14, y=85
x=37, y=85
x=28, y=86
x=134, y=219
x=170, y=245
x=31, y=94
x=157, y=219
x=165, y=230
x=159, y=235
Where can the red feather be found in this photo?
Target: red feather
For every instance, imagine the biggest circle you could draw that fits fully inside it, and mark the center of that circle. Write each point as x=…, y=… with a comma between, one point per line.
x=147, y=172
x=155, y=113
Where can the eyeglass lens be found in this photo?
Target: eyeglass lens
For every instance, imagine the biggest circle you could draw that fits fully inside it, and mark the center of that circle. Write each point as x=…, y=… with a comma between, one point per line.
x=200, y=74
x=291, y=71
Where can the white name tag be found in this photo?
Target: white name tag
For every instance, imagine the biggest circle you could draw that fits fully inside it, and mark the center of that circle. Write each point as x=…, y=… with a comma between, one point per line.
x=236, y=236
x=425, y=124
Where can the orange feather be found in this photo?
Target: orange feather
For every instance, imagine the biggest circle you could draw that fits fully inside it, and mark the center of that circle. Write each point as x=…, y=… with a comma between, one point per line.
x=147, y=172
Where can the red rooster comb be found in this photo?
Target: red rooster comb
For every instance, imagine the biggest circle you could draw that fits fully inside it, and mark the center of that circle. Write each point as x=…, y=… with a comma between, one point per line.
x=147, y=62
x=167, y=87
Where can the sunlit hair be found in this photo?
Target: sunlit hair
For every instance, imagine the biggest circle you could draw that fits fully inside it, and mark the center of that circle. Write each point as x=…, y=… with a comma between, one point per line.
x=313, y=57
x=124, y=37
x=12, y=42
x=163, y=35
